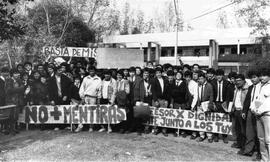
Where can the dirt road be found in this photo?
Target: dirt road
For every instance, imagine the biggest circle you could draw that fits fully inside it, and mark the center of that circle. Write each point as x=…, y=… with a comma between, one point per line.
x=66, y=146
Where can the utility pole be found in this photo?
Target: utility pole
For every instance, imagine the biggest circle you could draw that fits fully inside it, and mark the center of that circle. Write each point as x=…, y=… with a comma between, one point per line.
x=176, y=5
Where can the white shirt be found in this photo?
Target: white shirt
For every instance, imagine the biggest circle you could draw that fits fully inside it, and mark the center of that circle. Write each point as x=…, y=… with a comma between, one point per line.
x=105, y=89
x=90, y=86
x=193, y=89
x=58, y=83
x=147, y=88
x=1, y=77
x=219, y=94
x=237, y=103
x=264, y=98
x=201, y=87
x=161, y=82
x=177, y=83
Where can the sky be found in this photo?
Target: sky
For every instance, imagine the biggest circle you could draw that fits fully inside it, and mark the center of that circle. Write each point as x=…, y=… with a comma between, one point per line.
x=190, y=9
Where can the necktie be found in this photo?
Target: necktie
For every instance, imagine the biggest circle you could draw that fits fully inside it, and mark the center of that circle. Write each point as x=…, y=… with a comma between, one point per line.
x=253, y=94
x=202, y=93
x=219, y=91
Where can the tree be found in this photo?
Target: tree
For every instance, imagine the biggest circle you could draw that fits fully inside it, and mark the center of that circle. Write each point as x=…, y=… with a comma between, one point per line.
x=10, y=29
x=165, y=20
x=99, y=15
x=222, y=20
x=253, y=12
x=126, y=19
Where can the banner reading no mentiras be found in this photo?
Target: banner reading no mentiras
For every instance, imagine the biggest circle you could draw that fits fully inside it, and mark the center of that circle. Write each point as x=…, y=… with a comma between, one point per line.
x=184, y=119
x=65, y=114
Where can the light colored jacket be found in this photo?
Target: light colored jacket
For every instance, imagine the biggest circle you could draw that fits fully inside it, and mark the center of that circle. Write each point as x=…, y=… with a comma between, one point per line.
x=111, y=90
x=244, y=91
x=264, y=99
x=123, y=85
x=90, y=86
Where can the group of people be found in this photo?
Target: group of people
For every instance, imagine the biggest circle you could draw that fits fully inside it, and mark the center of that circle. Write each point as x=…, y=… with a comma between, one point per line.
x=185, y=87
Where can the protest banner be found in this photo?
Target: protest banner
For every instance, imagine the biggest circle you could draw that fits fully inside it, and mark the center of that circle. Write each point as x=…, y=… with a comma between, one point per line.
x=185, y=119
x=70, y=52
x=72, y=114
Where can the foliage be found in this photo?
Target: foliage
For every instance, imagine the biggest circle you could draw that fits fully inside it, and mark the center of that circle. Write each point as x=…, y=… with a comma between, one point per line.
x=254, y=12
x=9, y=28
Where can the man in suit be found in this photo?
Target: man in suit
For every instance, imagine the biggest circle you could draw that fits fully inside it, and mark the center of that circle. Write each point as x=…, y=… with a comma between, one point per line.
x=134, y=82
x=143, y=93
x=252, y=142
x=179, y=97
x=238, y=103
x=4, y=75
x=223, y=94
x=205, y=95
x=14, y=96
x=161, y=97
x=58, y=86
x=211, y=75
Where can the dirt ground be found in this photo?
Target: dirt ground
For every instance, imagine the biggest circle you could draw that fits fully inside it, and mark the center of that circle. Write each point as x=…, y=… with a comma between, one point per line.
x=49, y=145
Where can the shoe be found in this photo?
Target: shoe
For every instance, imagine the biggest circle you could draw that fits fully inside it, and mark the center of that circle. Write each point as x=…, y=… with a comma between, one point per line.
x=210, y=140
x=16, y=131
x=122, y=131
x=91, y=130
x=155, y=133
x=235, y=145
x=184, y=135
x=225, y=140
x=200, y=139
x=102, y=130
x=215, y=139
x=165, y=134
x=79, y=129
x=127, y=132
x=109, y=130
x=248, y=154
x=258, y=157
x=193, y=137
x=5, y=132
x=175, y=134
x=147, y=131
x=56, y=129
x=240, y=152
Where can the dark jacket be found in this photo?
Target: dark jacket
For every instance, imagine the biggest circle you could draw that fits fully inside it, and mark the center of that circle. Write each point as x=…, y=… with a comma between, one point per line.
x=74, y=92
x=227, y=90
x=157, y=92
x=2, y=93
x=53, y=90
x=180, y=94
x=247, y=100
x=140, y=91
x=134, y=88
x=208, y=95
x=15, y=92
x=39, y=93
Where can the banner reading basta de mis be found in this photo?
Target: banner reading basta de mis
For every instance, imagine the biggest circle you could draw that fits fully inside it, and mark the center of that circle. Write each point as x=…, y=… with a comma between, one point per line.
x=185, y=119
x=66, y=114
